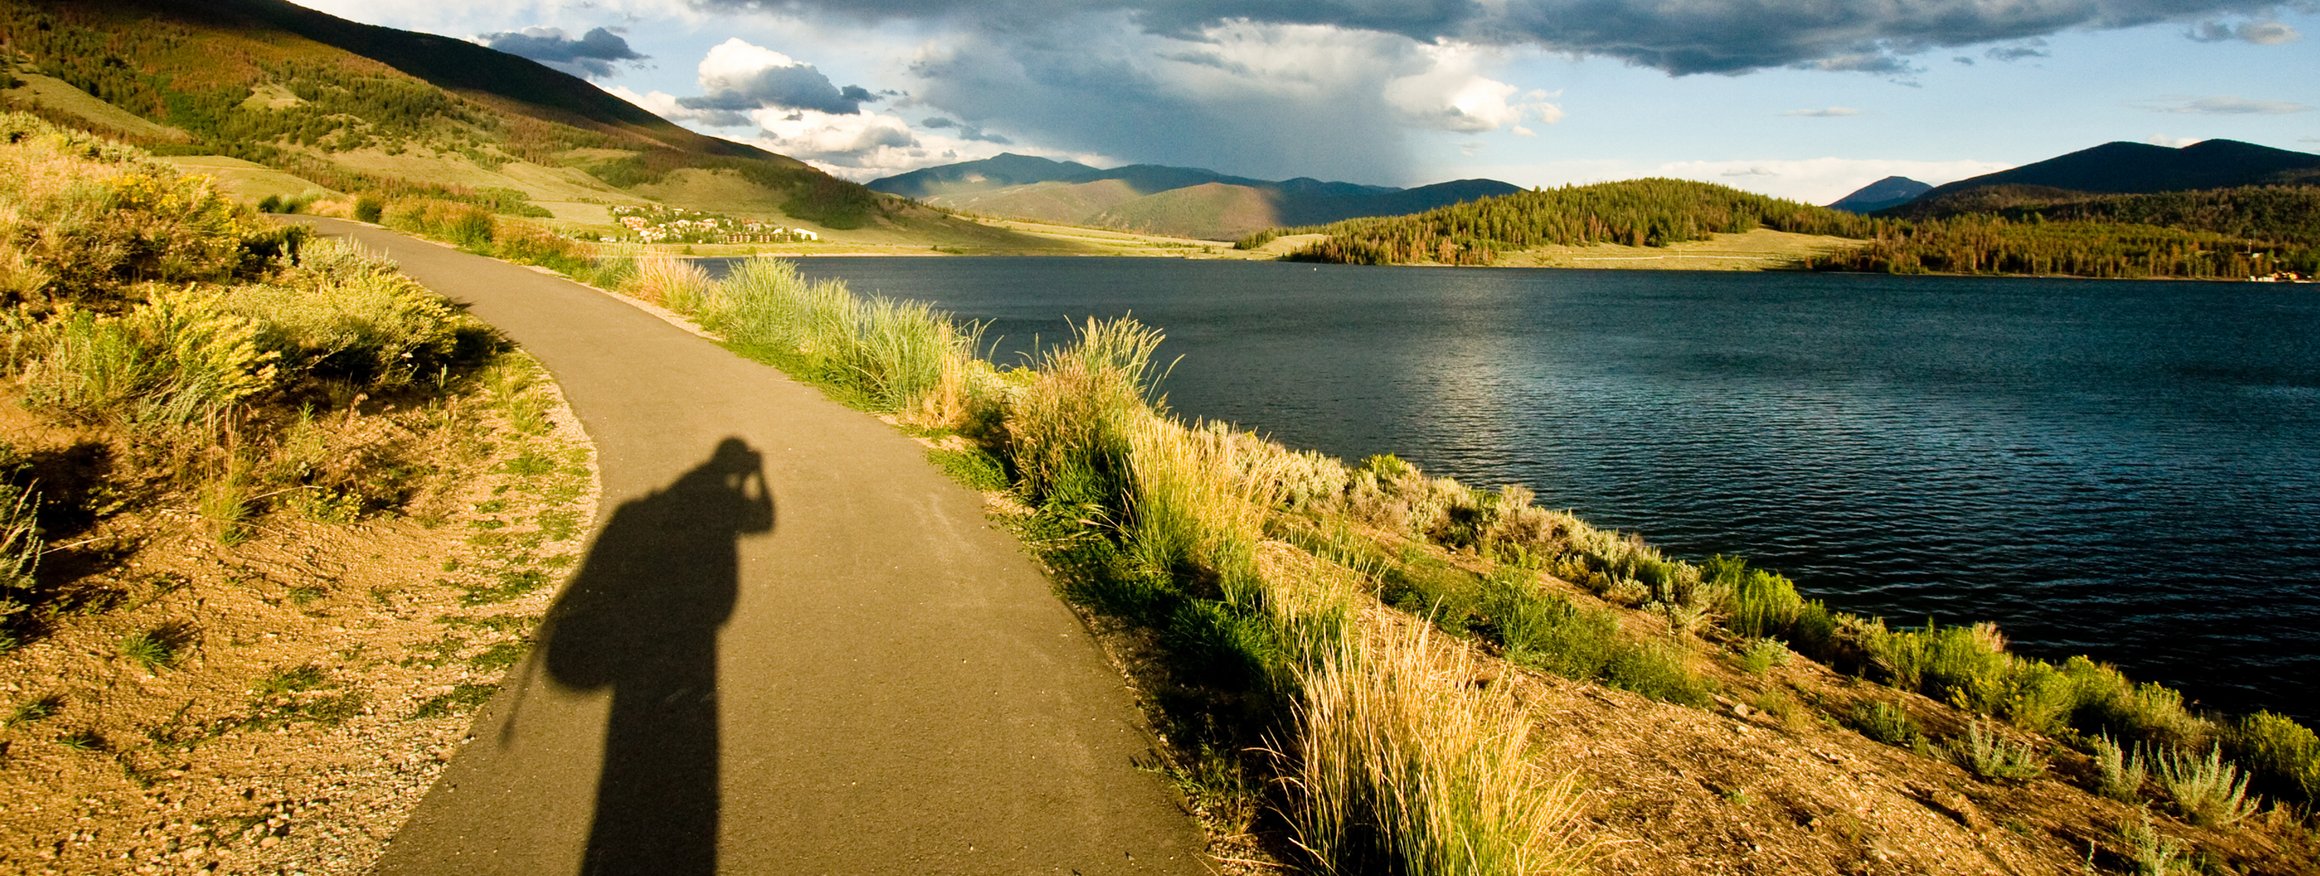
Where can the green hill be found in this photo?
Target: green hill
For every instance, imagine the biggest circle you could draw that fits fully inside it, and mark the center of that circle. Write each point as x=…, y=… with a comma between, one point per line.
x=1159, y=199
x=1646, y=212
x=356, y=107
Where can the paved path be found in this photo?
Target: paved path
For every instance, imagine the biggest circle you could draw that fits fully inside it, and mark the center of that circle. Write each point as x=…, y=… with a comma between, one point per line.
x=853, y=672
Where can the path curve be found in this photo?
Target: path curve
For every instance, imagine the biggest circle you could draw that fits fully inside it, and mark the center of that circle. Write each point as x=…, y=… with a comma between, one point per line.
x=861, y=675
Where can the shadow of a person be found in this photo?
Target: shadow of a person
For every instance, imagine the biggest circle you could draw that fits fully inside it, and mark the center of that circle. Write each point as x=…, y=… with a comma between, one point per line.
x=641, y=618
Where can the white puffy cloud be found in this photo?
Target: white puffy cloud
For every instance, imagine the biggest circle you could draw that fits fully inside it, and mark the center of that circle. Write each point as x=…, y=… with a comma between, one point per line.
x=1449, y=93
x=737, y=76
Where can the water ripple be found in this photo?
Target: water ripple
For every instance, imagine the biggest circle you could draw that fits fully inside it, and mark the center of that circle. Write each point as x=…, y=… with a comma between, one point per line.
x=2122, y=469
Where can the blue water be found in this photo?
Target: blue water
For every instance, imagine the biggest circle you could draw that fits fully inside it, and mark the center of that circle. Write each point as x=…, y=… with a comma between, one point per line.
x=2127, y=470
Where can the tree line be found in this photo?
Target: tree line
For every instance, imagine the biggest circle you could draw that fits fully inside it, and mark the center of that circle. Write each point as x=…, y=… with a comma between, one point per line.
x=2229, y=233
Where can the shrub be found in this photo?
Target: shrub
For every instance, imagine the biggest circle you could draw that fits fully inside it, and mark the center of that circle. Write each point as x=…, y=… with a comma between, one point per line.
x=2207, y=790
x=537, y=245
x=2106, y=702
x=1758, y=656
x=90, y=219
x=176, y=360
x=2284, y=754
x=349, y=316
x=368, y=208
x=1402, y=766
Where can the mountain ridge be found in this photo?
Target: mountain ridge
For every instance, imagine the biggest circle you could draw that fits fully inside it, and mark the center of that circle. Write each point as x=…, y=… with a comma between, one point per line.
x=2127, y=168
x=1892, y=191
x=1164, y=199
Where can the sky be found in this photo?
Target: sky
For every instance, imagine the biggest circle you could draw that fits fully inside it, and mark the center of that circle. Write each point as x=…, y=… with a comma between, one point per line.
x=1806, y=99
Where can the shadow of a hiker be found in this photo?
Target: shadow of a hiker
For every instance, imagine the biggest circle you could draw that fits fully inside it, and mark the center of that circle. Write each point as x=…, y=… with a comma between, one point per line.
x=641, y=618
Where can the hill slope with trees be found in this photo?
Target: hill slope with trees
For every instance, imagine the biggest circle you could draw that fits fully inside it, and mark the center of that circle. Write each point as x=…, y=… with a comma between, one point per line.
x=356, y=107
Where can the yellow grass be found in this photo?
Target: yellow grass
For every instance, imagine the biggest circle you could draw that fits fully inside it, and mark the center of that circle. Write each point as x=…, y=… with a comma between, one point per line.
x=246, y=181
x=1759, y=250
x=1405, y=765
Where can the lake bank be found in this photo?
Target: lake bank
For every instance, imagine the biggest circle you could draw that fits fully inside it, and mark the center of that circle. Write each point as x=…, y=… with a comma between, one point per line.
x=1904, y=446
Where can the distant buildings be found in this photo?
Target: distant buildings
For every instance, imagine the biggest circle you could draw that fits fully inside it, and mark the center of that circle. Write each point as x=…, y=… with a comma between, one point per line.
x=672, y=225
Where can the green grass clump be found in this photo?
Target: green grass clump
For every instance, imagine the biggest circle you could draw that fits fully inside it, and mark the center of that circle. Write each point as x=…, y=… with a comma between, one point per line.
x=2119, y=773
x=2207, y=790
x=461, y=698
x=20, y=550
x=290, y=680
x=974, y=468
x=1549, y=632
x=157, y=648
x=1887, y=723
x=1988, y=755
x=2149, y=852
x=1659, y=670
x=35, y=709
x=895, y=356
x=1067, y=425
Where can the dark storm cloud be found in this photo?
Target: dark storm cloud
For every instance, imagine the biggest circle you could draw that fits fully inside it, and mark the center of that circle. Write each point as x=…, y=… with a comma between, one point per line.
x=797, y=86
x=591, y=56
x=1678, y=36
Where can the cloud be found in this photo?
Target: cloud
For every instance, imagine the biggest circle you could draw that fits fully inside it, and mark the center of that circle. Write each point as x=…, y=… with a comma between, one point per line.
x=1677, y=36
x=1832, y=112
x=2022, y=51
x=591, y=56
x=2170, y=142
x=737, y=77
x=2227, y=106
x=1259, y=100
x=2262, y=33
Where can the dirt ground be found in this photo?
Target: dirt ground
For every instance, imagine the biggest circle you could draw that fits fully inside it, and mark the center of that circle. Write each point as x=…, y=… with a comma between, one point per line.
x=309, y=682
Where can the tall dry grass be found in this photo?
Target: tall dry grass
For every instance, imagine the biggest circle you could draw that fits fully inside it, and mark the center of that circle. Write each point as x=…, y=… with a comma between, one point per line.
x=1067, y=426
x=1402, y=764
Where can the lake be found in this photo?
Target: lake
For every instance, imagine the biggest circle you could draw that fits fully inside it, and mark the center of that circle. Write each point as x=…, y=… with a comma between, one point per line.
x=2126, y=470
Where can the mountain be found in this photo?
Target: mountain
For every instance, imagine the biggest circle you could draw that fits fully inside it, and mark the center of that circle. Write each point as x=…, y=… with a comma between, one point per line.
x=1160, y=199
x=1892, y=191
x=356, y=107
x=999, y=171
x=2123, y=168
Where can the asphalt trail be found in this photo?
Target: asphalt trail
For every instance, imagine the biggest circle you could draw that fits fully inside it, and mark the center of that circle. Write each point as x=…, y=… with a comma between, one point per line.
x=792, y=646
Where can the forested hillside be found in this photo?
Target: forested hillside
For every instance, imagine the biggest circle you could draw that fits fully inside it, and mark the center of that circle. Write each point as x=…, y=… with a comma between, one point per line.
x=333, y=101
x=1649, y=212
x=2222, y=234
